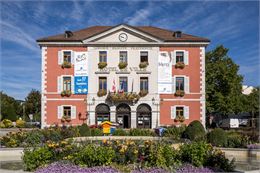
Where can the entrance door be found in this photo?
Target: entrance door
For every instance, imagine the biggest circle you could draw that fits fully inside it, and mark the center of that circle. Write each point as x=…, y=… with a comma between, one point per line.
x=123, y=116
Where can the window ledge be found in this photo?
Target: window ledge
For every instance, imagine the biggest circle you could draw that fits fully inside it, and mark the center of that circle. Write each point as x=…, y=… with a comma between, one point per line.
x=123, y=72
x=143, y=72
x=102, y=72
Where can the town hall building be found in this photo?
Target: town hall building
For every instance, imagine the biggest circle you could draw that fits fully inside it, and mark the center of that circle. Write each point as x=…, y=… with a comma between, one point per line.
x=135, y=76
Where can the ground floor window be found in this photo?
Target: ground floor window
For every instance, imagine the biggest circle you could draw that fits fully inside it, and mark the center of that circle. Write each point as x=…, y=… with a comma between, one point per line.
x=144, y=116
x=102, y=113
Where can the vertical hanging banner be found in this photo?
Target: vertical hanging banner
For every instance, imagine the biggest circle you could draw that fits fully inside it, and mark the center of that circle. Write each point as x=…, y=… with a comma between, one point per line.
x=164, y=73
x=81, y=73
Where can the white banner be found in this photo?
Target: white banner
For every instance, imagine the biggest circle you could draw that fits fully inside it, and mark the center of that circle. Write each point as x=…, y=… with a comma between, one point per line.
x=80, y=64
x=164, y=73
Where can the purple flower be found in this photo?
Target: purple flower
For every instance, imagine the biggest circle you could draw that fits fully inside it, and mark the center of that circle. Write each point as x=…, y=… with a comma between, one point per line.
x=150, y=170
x=192, y=169
x=253, y=146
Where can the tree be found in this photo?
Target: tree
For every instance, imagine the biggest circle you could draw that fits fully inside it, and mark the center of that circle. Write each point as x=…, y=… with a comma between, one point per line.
x=251, y=102
x=9, y=107
x=223, y=83
x=33, y=104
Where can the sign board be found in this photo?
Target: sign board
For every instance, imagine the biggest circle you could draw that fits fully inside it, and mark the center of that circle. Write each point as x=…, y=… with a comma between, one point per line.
x=31, y=116
x=164, y=73
x=80, y=64
x=81, y=84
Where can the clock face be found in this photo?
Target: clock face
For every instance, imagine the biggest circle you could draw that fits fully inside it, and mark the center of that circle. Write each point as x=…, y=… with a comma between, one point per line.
x=123, y=37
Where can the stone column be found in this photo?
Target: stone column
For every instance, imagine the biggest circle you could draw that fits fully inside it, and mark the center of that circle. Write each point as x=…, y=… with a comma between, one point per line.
x=113, y=114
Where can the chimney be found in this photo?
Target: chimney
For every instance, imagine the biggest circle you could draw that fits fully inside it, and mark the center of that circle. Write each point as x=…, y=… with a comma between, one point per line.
x=68, y=34
x=177, y=34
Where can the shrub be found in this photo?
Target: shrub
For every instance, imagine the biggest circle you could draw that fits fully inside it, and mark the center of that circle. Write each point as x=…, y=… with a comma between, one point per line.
x=174, y=132
x=69, y=132
x=141, y=132
x=84, y=130
x=218, y=137
x=20, y=123
x=7, y=123
x=120, y=132
x=34, y=138
x=195, y=131
x=2, y=125
x=96, y=132
x=52, y=134
x=236, y=140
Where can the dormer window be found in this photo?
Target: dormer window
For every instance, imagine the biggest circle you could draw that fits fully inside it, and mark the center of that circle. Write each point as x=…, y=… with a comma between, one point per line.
x=177, y=34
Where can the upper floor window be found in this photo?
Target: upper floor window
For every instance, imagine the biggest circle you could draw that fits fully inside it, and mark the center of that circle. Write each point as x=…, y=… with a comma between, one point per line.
x=102, y=83
x=179, y=111
x=67, y=83
x=179, y=83
x=144, y=56
x=179, y=56
x=67, y=111
x=123, y=84
x=67, y=56
x=123, y=56
x=102, y=56
x=144, y=84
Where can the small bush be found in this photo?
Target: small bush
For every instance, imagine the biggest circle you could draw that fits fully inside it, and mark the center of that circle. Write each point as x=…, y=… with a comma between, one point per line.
x=20, y=123
x=7, y=123
x=96, y=132
x=34, y=138
x=195, y=131
x=236, y=140
x=120, y=132
x=84, y=130
x=174, y=132
x=141, y=132
x=218, y=137
x=69, y=132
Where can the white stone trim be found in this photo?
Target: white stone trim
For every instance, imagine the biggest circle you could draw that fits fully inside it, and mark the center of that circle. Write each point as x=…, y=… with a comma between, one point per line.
x=43, y=86
x=132, y=43
x=202, y=87
x=64, y=99
x=181, y=99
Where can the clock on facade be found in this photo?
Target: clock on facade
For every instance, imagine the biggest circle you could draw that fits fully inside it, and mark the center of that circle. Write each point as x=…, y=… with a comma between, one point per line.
x=123, y=37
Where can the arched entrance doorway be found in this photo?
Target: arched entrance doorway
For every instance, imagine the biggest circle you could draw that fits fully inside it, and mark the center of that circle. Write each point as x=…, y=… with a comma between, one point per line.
x=123, y=115
x=102, y=113
x=144, y=116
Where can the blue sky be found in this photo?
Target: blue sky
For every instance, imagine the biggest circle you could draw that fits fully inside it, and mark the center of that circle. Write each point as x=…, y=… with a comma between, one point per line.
x=235, y=24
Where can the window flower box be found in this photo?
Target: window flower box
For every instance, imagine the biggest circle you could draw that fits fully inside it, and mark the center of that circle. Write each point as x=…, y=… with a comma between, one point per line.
x=66, y=93
x=66, y=118
x=102, y=65
x=143, y=64
x=180, y=65
x=101, y=93
x=143, y=93
x=180, y=119
x=123, y=97
x=66, y=64
x=122, y=65
x=179, y=93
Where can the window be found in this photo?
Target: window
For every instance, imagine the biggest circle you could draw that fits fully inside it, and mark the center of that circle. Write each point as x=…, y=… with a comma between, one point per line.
x=123, y=56
x=144, y=83
x=123, y=84
x=102, y=56
x=179, y=111
x=144, y=56
x=67, y=83
x=67, y=56
x=102, y=83
x=179, y=83
x=67, y=111
x=179, y=57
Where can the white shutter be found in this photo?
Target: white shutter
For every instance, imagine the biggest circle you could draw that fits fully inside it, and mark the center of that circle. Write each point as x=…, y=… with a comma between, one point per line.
x=72, y=57
x=187, y=84
x=60, y=111
x=59, y=84
x=60, y=57
x=173, y=57
x=72, y=84
x=173, y=112
x=186, y=112
x=186, y=57
x=173, y=85
x=73, y=112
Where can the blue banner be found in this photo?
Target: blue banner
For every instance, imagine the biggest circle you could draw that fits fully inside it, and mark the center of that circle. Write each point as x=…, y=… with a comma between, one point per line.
x=81, y=84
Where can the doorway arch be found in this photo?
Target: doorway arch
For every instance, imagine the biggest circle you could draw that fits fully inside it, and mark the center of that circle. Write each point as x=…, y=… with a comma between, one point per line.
x=102, y=113
x=144, y=116
x=123, y=115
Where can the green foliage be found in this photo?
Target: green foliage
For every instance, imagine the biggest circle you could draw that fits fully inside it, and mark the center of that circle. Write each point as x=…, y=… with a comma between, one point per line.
x=237, y=140
x=20, y=123
x=84, y=130
x=33, y=138
x=141, y=132
x=33, y=103
x=35, y=158
x=218, y=137
x=223, y=83
x=69, y=132
x=174, y=132
x=120, y=132
x=7, y=123
x=96, y=132
x=9, y=107
x=195, y=131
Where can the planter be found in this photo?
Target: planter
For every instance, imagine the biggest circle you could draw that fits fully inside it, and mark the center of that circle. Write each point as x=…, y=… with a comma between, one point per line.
x=65, y=119
x=180, y=119
x=143, y=93
x=179, y=93
x=102, y=65
x=143, y=64
x=123, y=97
x=66, y=93
x=180, y=65
x=101, y=93
x=122, y=65
x=66, y=64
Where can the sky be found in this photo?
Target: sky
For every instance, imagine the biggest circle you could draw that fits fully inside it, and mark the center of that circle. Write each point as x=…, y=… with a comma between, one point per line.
x=235, y=24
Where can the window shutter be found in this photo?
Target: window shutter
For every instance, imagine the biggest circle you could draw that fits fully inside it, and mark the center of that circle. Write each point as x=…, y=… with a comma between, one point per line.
x=72, y=57
x=60, y=111
x=186, y=57
x=60, y=58
x=73, y=112
x=72, y=84
x=173, y=57
x=186, y=112
x=187, y=84
x=173, y=85
x=173, y=112
x=59, y=84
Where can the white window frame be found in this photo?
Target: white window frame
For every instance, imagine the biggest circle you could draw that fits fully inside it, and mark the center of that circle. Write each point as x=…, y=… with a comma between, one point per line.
x=73, y=109
x=185, y=58
x=60, y=83
x=186, y=112
x=144, y=51
x=127, y=55
x=186, y=81
x=99, y=55
x=61, y=56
